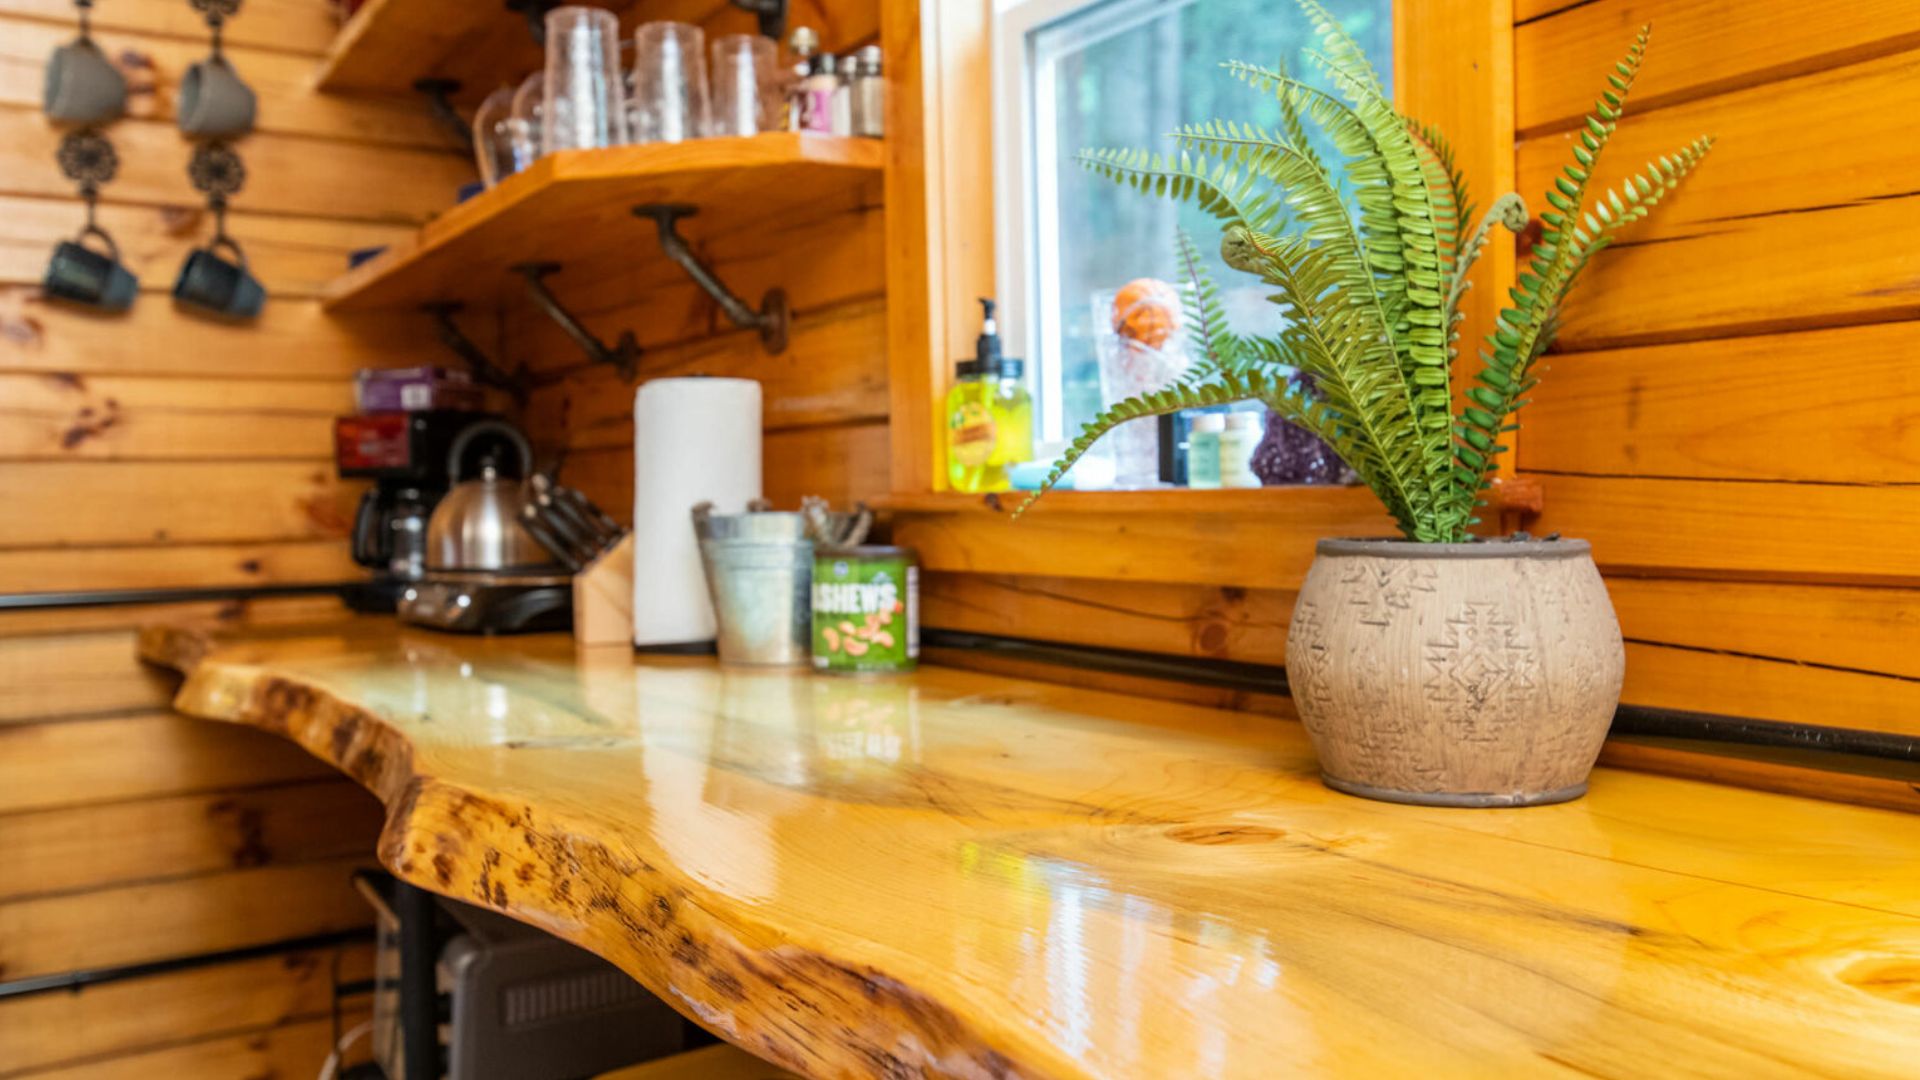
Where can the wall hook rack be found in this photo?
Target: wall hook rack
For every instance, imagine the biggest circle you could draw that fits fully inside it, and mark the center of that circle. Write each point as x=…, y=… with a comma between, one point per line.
x=484, y=370
x=772, y=13
x=625, y=354
x=772, y=318
x=439, y=94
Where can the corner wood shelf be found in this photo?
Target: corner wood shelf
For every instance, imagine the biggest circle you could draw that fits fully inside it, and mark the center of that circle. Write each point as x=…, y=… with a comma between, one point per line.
x=390, y=44
x=575, y=203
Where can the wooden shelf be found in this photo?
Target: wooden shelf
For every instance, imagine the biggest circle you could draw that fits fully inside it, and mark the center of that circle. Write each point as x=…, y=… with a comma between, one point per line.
x=571, y=203
x=389, y=44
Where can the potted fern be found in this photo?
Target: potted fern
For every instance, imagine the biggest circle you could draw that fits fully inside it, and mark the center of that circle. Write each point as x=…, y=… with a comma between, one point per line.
x=1437, y=667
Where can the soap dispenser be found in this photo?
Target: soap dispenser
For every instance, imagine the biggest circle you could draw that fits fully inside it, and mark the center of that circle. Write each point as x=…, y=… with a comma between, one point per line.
x=974, y=459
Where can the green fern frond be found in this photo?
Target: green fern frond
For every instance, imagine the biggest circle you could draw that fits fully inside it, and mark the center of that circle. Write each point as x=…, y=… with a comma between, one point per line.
x=1218, y=350
x=1215, y=187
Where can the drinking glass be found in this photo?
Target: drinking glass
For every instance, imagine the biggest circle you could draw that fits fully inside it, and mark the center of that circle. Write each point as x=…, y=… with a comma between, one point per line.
x=746, y=86
x=670, y=82
x=524, y=128
x=585, y=102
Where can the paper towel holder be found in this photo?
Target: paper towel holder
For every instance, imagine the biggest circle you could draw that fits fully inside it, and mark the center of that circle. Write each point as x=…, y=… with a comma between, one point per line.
x=772, y=318
x=484, y=370
x=624, y=356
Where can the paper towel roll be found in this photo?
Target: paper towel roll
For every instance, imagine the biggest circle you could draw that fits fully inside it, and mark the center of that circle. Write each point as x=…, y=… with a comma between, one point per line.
x=694, y=440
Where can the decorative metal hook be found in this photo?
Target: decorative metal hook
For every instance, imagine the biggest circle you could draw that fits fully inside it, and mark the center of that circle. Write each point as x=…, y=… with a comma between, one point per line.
x=483, y=369
x=772, y=318
x=772, y=13
x=625, y=354
x=439, y=94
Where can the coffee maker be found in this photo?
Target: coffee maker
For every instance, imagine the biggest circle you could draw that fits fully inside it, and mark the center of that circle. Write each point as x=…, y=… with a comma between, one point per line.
x=405, y=455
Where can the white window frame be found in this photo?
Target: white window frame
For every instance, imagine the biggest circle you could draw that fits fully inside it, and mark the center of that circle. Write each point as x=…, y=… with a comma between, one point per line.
x=1026, y=256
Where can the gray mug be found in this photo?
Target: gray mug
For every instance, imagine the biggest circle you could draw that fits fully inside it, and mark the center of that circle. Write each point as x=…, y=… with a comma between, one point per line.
x=80, y=275
x=82, y=86
x=222, y=288
x=215, y=103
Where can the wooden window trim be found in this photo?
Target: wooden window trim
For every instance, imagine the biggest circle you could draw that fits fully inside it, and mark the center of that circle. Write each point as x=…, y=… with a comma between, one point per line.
x=1453, y=66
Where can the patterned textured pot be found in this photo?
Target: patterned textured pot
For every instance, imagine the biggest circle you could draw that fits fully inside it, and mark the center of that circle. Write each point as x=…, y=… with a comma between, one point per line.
x=1480, y=674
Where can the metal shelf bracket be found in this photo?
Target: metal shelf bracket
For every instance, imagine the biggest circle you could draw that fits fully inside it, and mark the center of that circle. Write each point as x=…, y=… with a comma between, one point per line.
x=439, y=94
x=624, y=356
x=772, y=13
x=483, y=369
x=773, y=317
x=535, y=12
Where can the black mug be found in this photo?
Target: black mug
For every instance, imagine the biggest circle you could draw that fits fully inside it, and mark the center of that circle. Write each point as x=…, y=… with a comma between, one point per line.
x=223, y=288
x=78, y=274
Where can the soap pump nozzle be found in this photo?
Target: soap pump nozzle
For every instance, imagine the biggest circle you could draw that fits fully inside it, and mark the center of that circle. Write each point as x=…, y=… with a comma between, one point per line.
x=986, y=348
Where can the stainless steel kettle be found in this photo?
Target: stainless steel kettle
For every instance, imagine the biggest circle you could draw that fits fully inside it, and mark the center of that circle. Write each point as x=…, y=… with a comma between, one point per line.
x=476, y=527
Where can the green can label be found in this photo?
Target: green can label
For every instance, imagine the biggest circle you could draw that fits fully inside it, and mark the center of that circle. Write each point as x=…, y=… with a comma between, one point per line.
x=866, y=611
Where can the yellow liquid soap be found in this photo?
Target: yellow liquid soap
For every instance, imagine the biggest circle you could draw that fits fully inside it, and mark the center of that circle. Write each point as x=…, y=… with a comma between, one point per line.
x=973, y=438
x=1013, y=422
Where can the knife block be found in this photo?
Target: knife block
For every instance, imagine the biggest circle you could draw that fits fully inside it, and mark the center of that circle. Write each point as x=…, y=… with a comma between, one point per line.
x=603, y=597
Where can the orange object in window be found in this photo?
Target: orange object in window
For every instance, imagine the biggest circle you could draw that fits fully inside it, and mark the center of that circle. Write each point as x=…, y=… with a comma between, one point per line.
x=1146, y=310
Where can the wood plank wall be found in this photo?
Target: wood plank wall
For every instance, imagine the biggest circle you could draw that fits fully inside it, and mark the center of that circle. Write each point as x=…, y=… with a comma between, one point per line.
x=158, y=450
x=825, y=396
x=1733, y=417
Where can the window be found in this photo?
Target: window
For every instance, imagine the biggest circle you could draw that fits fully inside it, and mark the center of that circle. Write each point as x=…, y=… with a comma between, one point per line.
x=1077, y=74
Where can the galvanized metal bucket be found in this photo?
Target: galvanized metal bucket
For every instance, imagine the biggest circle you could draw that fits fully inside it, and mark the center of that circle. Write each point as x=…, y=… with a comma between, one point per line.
x=760, y=574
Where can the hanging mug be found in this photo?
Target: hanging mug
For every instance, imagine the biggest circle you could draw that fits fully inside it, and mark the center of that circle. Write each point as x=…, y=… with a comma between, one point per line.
x=220, y=287
x=80, y=275
x=214, y=101
x=82, y=86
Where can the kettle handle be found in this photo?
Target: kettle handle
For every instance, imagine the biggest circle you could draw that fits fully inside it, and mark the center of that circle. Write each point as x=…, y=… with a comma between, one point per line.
x=489, y=427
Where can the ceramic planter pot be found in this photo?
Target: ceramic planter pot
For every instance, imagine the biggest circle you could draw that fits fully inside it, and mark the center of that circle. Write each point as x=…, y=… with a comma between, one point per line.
x=1480, y=674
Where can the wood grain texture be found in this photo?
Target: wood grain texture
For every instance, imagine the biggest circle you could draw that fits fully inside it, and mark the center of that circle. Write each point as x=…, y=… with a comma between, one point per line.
x=1699, y=48
x=291, y=1049
x=47, y=417
x=296, y=26
x=70, y=1029
x=138, y=756
x=1064, y=870
x=79, y=849
x=189, y=916
x=57, y=675
x=1832, y=406
x=177, y=566
x=166, y=502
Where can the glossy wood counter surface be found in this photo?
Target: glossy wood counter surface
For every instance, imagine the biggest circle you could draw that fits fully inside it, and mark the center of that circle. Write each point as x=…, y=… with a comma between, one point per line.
x=964, y=875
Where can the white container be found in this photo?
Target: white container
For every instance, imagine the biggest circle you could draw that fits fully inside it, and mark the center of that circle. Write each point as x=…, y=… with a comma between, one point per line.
x=1243, y=433
x=1203, y=450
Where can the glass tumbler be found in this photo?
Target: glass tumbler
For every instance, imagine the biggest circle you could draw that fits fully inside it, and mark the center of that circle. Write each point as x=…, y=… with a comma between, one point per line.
x=493, y=137
x=524, y=127
x=746, y=85
x=585, y=94
x=670, y=82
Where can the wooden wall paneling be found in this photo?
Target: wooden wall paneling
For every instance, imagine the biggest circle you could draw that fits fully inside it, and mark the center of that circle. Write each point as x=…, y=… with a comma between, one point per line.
x=1757, y=768
x=77, y=849
x=139, y=756
x=286, y=174
x=189, y=916
x=1808, y=532
x=1699, y=48
x=244, y=998
x=154, y=65
x=294, y=257
x=292, y=339
x=176, y=566
x=1872, y=630
x=833, y=370
x=291, y=1049
x=130, y=502
x=47, y=417
x=1837, y=406
x=296, y=26
x=1729, y=684
x=1278, y=706
x=1257, y=549
x=1214, y=622
x=75, y=674
x=94, y=617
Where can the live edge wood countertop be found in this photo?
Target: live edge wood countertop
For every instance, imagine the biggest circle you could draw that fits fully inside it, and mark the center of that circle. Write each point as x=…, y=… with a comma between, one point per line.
x=962, y=875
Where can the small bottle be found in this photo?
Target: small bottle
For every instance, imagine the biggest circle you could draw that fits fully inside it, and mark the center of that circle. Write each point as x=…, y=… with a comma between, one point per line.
x=973, y=437
x=1203, y=450
x=840, y=102
x=1237, y=442
x=803, y=44
x=1012, y=414
x=816, y=94
x=869, y=94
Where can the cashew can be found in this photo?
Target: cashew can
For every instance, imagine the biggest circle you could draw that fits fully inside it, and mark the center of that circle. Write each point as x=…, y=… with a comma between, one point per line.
x=866, y=610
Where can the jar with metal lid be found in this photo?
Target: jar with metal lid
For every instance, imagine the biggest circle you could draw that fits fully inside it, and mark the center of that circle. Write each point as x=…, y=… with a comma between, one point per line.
x=869, y=93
